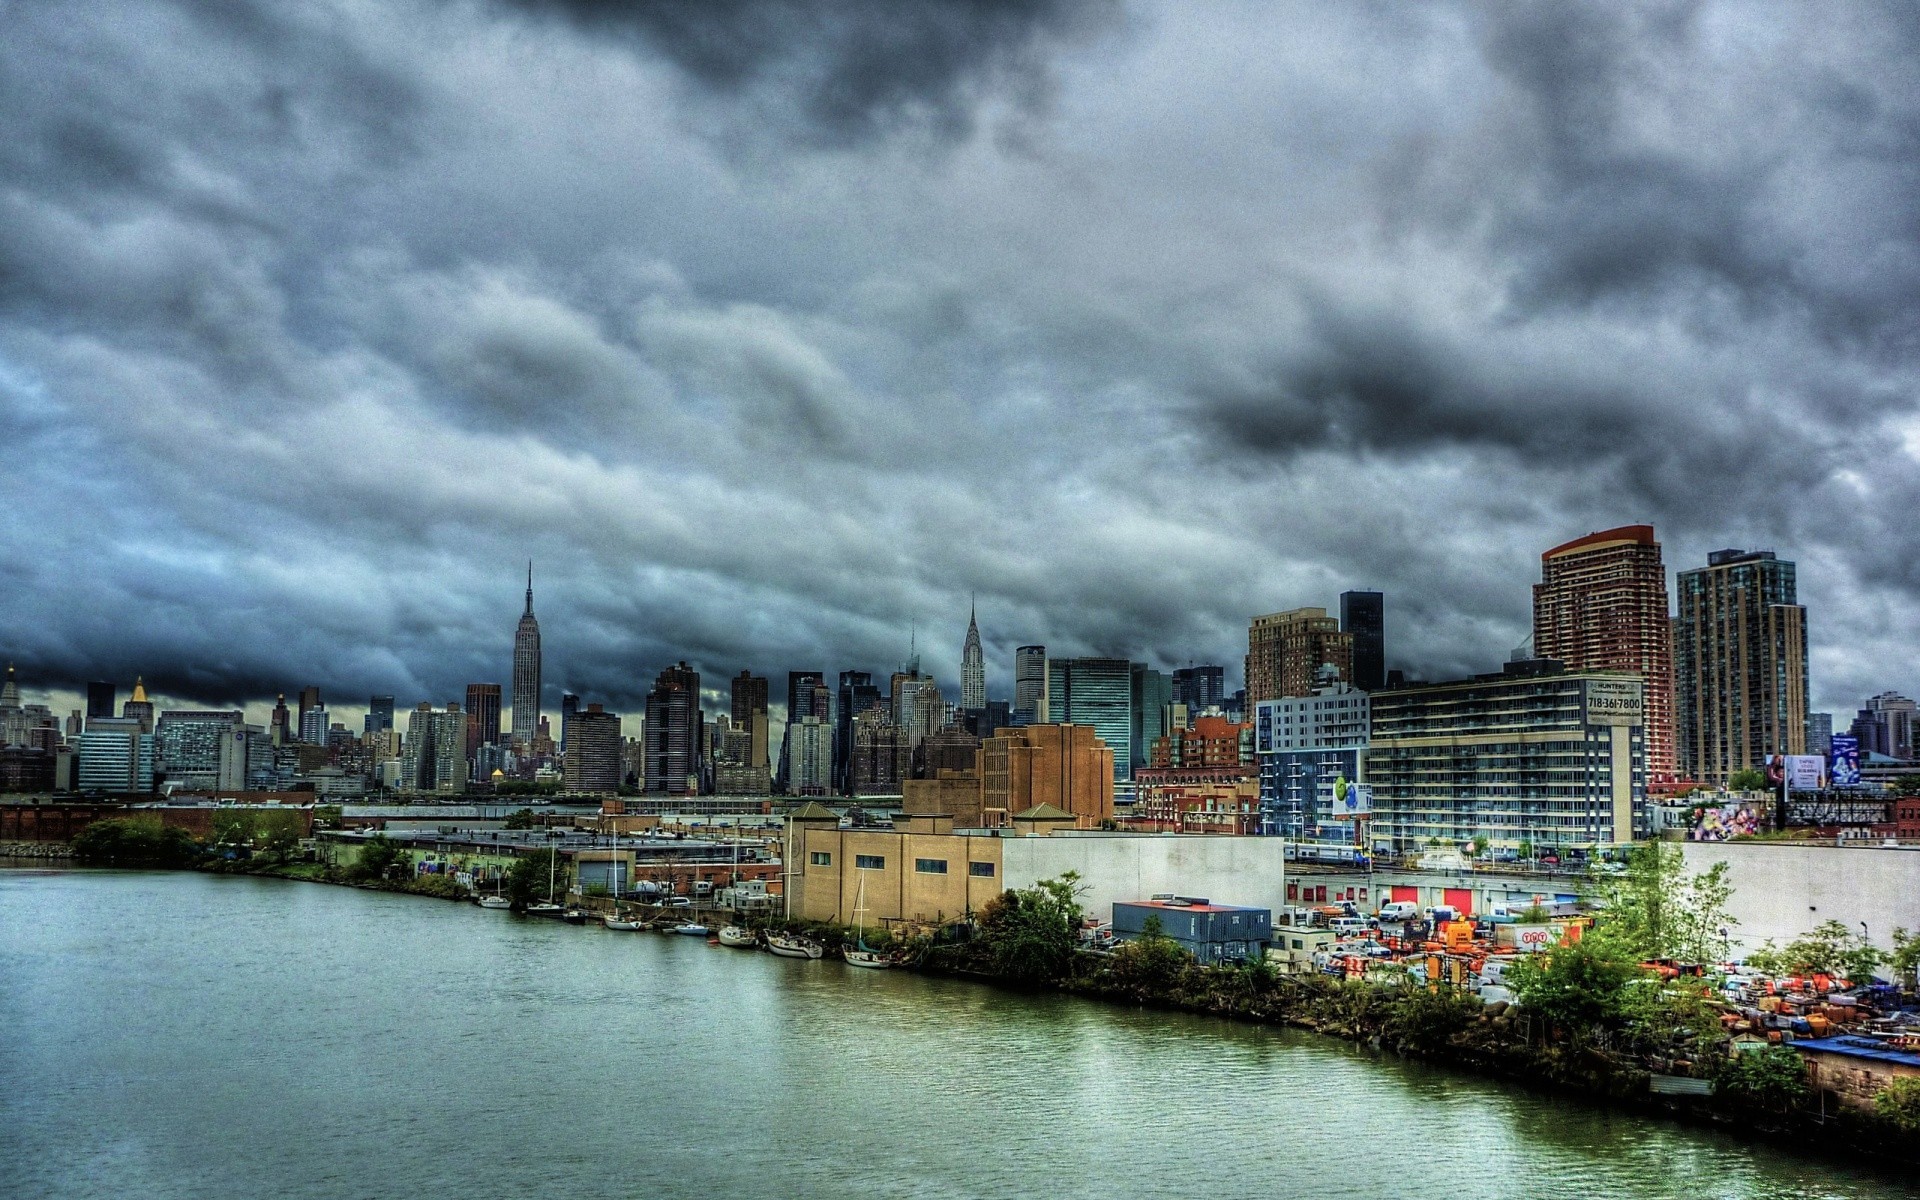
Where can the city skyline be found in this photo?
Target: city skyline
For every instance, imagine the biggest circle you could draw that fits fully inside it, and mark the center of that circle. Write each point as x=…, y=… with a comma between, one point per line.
x=770, y=357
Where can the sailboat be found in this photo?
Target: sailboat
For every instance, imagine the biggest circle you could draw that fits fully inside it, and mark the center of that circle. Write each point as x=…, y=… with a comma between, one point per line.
x=547, y=907
x=496, y=900
x=735, y=935
x=858, y=955
x=792, y=945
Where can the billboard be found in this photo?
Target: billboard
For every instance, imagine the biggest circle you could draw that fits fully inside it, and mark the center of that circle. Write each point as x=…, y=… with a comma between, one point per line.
x=1615, y=701
x=1845, y=759
x=1806, y=772
x=1719, y=822
x=1351, y=800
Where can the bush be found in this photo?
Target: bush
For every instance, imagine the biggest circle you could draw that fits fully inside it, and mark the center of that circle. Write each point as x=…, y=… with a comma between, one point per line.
x=1775, y=1077
x=379, y=859
x=1418, y=1019
x=446, y=887
x=1899, y=1103
x=118, y=842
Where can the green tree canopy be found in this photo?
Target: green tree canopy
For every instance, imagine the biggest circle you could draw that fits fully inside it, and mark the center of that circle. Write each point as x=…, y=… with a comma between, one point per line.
x=1747, y=779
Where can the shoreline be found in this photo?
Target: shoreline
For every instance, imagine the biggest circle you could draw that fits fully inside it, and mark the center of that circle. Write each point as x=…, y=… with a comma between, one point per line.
x=1559, y=1070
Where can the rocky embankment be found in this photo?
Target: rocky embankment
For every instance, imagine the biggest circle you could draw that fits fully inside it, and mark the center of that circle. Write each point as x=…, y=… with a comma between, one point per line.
x=35, y=850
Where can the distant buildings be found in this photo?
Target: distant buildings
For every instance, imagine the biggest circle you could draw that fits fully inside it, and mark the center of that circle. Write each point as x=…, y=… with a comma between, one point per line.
x=1200, y=688
x=1286, y=652
x=882, y=759
x=1151, y=697
x=116, y=756
x=856, y=695
x=1740, y=664
x=526, y=673
x=1030, y=685
x=593, y=758
x=435, y=755
x=1363, y=617
x=748, y=710
x=483, y=716
x=1306, y=745
x=100, y=698
x=1601, y=605
x=1886, y=726
x=809, y=756
x=1097, y=693
x=973, y=668
x=673, y=732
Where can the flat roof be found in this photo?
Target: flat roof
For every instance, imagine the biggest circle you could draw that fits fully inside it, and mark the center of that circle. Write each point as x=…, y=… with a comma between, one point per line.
x=1206, y=908
x=1857, y=1047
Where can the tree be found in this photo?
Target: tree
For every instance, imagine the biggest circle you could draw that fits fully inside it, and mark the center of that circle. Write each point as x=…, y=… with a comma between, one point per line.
x=379, y=859
x=1655, y=909
x=1905, y=959
x=1830, y=948
x=1151, y=962
x=1899, y=1103
x=118, y=842
x=1906, y=785
x=1580, y=986
x=1747, y=779
x=527, y=879
x=1031, y=930
x=520, y=818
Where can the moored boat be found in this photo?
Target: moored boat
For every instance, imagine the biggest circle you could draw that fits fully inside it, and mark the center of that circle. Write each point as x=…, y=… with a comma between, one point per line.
x=733, y=935
x=495, y=902
x=623, y=924
x=575, y=916
x=788, y=945
x=691, y=929
x=866, y=958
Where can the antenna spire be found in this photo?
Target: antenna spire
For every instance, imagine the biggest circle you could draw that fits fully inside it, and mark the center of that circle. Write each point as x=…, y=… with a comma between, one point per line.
x=529, y=587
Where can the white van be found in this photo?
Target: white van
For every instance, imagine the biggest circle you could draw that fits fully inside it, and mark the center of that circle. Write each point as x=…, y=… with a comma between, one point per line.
x=1399, y=910
x=1349, y=926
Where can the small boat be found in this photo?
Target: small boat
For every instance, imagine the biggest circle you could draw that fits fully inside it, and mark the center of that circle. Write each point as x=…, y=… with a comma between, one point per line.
x=788, y=945
x=575, y=916
x=495, y=902
x=545, y=908
x=690, y=928
x=623, y=924
x=733, y=935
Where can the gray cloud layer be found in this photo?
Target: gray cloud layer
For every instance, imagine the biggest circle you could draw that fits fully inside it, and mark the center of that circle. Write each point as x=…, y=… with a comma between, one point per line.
x=768, y=328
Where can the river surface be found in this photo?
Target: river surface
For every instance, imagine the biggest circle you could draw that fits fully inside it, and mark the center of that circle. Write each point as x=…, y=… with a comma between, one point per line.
x=180, y=1035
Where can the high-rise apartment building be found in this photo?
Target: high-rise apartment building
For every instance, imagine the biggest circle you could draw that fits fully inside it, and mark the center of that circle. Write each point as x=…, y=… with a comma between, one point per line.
x=1030, y=685
x=882, y=757
x=189, y=744
x=593, y=752
x=673, y=732
x=1363, y=617
x=809, y=757
x=973, y=668
x=309, y=700
x=1740, y=664
x=526, y=673
x=1531, y=757
x=1601, y=605
x=313, y=725
x=1820, y=734
x=483, y=716
x=1096, y=692
x=1287, y=651
x=1306, y=745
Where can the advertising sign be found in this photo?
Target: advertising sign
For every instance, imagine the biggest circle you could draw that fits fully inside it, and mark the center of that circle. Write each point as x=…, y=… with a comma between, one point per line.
x=1718, y=822
x=1845, y=754
x=1529, y=939
x=1615, y=701
x=1351, y=800
x=1806, y=772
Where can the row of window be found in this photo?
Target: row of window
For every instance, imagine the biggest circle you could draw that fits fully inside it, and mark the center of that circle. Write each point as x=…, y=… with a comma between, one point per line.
x=878, y=862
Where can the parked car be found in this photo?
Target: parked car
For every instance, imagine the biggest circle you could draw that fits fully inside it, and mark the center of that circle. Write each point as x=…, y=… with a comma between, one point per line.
x=677, y=902
x=1399, y=910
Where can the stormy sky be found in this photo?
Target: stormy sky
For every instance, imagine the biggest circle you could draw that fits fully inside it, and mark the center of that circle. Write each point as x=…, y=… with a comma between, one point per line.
x=769, y=329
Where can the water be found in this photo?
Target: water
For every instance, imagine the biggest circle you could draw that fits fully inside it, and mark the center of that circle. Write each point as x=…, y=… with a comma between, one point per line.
x=175, y=1035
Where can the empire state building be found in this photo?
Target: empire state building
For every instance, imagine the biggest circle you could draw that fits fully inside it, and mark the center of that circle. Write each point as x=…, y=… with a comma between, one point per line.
x=526, y=673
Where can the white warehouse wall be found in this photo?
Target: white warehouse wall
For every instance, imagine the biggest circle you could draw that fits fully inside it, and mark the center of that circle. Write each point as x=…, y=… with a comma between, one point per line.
x=1782, y=891
x=1249, y=871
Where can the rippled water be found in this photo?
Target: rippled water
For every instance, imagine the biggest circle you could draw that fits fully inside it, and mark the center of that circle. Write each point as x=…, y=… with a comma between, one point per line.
x=168, y=1035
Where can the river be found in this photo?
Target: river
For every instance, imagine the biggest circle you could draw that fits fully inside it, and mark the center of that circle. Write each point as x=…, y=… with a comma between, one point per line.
x=180, y=1035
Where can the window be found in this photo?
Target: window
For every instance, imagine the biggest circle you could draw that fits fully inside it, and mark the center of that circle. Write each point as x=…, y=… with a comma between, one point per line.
x=982, y=870
x=930, y=866
x=821, y=859
x=870, y=862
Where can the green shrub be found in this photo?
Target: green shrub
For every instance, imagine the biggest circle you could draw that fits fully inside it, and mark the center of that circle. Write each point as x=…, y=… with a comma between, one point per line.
x=118, y=842
x=1899, y=1103
x=1775, y=1077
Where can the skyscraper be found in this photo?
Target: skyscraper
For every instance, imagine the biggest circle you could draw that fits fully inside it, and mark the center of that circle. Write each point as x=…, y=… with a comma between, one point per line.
x=857, y=695
x=1152, y=694
x=749, y=715
x=100, y=698
x=379, y=714
x=526, y=673
x=1601, y=605
x=309, y=699
x=1363, y=616
x=673, y=731
x=807, y=696
x=973, y=668
x=1030, y=685
x=138, y=707
x=1740, y=664
x=593, y=751
x=483, y=716
x=1286, y=651
x=280, y=728
x=569, y=705
x=1200, y=688
x=1096, y=692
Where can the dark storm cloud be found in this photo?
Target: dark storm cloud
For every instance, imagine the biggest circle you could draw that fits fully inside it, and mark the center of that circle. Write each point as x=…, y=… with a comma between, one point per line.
x=856, y=70
x=317, y=321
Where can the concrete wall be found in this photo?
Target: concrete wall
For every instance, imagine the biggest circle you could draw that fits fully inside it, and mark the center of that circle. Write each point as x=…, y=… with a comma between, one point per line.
x=1230, y=870
x=1782, y=891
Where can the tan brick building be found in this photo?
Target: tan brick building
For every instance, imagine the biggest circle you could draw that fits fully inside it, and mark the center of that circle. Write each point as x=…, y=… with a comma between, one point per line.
x=1066, y=766
x=1286, y=650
